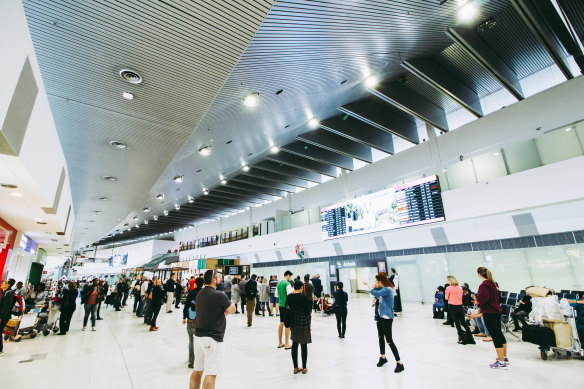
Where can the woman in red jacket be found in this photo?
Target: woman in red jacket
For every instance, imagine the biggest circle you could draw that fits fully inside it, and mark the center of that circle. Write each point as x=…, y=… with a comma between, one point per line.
x=490, y=307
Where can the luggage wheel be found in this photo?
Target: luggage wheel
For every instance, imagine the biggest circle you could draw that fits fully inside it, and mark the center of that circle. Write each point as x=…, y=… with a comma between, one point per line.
x=543, y=354
x=46, y=332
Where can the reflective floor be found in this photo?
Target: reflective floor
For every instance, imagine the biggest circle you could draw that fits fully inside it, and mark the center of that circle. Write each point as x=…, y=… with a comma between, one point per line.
x=122, y=353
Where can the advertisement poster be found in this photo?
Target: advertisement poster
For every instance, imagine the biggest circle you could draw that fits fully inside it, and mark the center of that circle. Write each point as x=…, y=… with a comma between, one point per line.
x=117, y=260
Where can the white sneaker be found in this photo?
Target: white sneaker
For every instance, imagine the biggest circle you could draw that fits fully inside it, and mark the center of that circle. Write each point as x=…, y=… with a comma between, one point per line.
x=83, y=329
x=92, y=328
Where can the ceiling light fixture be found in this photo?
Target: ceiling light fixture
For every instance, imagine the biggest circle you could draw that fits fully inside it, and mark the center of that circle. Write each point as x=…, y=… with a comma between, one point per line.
x=191, y=199
x=568, y=129
x=313, y=123
x=128, y=96
x=145, y=221
x=110, y=178
x=252, y=99
x=178, y=178
x=165, y=212
x=117, y=144
x=160, y=196
x=41, y=223
x=135, y=218
x=177, y=207
x=38, y=219
x=103, y=198
x=205, y=150
x=131, y=76
x=9, y=186
x=155, y=217
x=245, y=168
x=126, y=225
x=205, y=191
x=146, y=209
x=468, y=12
x=223, y=181
x=371, y=82
x=16, y=194
x=274, y=149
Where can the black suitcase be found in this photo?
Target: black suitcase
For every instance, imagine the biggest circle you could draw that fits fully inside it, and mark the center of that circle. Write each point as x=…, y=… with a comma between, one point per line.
x=542, y=336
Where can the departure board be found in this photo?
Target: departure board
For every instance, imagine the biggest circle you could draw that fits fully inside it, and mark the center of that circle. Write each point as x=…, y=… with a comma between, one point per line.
x=414, y=203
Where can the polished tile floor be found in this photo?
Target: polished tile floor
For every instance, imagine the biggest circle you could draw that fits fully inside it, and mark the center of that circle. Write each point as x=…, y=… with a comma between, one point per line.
x=123, y=354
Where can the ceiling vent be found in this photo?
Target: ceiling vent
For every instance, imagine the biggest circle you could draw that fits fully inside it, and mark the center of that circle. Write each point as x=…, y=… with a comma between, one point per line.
x=131, y=76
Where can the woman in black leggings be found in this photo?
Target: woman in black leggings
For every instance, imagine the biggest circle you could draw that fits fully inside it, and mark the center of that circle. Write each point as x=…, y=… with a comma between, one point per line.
x=298, y=310
x=340, y=309
x=384, y=293
x=490, y=307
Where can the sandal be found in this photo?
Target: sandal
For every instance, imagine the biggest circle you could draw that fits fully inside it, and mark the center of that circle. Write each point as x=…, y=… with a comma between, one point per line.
x=488, y=340
x=297, y=370
x=304, y=371
x=280, y=346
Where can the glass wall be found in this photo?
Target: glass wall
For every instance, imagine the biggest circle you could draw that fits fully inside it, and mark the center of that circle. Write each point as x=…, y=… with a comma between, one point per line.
x=556, y=267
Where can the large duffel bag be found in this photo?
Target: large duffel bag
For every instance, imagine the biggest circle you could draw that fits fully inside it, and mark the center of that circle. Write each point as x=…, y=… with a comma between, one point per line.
x=542, y=336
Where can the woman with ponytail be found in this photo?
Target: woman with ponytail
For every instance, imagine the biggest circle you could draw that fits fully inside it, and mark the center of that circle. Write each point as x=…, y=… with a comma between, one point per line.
x=490, y=306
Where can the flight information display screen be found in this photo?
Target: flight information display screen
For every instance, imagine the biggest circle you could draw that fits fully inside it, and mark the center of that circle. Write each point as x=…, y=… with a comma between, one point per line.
x=410, y=204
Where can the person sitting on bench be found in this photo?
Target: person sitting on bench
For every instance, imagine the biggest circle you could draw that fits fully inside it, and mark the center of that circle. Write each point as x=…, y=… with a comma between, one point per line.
x=438, y=306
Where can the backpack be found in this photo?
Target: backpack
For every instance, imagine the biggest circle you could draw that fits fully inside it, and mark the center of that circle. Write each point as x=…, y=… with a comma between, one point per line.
x=192, y=313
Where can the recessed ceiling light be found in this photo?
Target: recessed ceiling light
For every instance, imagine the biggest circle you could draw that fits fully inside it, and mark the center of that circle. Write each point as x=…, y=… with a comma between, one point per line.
x=135, y=218
x=103, y=198
x=245, y=168
x=205, y=191
x=146, y=209
x=155, y=217
x=274, y=149
x=191, y=199
x=16, y=194
x=223, y=181
x=38, y=219
x=568, y=129
x=468, y=11
x=117, y=144
x=9, y=186
x=205, y=150
x=110, y=178
x=131, y=76
x=252, y=99
x=178, y=178
x=313, y=123
x=165, y=212
x=126, y=225
x=145, y=221
x=177, y=207
x=128, y=96
x=371, y=82
x=160, y=196
x=137, y=226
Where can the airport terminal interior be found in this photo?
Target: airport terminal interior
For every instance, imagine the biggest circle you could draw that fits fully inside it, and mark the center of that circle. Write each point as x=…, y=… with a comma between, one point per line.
x=292, y=193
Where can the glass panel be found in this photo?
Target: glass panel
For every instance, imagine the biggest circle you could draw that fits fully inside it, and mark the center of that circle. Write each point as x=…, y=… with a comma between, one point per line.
x=464, y=267
x=522, y=156
x=432, y=272
x=509, y=268
x=551, y=267
x=409, y=277
x=489, y=165
x=558, y=145
x=460, y=174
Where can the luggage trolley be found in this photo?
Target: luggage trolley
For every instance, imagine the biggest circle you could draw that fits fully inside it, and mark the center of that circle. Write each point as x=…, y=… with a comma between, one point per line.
x=23, y=325
x=564, y=333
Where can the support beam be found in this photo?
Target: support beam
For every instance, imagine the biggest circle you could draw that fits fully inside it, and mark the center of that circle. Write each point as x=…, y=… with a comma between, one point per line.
x=257, y=189
x=569, y=37
x=337, y=144
x=545, y=23
x=476, y=47
x=281, y=168
x=245, y=179
x=382, y=116
x=229, y=190
x=404, y=98
x=258, y=173
x=358, y=131
x=235, y=197
x=319, y=154
x=303, y=163
x=439, y=78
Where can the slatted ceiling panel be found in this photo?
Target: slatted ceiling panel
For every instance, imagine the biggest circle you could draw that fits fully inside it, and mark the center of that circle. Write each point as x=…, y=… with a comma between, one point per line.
x=467, y=70
x=513, y=42
x=184, y=51
x=437, y=98
x=574, y=9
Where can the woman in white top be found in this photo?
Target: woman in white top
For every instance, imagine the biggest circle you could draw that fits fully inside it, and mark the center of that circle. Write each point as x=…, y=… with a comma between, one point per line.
x=235, y=293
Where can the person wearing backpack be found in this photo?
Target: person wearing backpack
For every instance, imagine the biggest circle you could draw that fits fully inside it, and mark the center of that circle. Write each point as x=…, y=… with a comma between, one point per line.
x=189, y=316
x=251, y=292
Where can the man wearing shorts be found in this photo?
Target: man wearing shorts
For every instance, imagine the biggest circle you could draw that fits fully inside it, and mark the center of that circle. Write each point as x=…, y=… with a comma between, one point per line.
x=284, y=288
x=211, y=306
